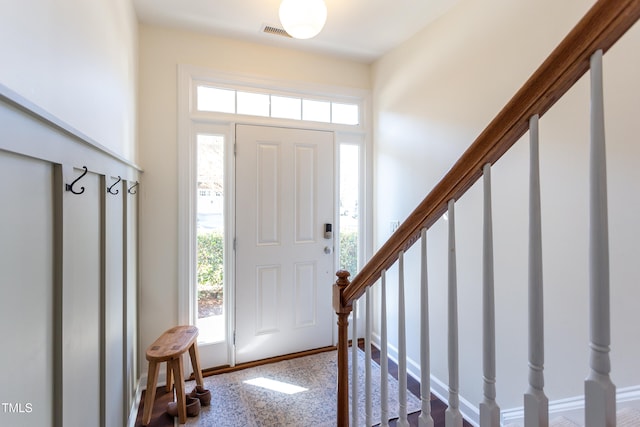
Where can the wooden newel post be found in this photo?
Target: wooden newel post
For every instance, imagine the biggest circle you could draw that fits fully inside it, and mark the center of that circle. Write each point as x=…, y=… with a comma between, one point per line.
x=342, y=310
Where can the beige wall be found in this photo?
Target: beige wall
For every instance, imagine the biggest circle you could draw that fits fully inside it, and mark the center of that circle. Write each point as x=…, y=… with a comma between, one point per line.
x=432, y=96
x=76, y=60
x=161, y=50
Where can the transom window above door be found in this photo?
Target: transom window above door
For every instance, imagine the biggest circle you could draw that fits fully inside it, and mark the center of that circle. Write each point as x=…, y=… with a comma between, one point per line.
x=265, y=104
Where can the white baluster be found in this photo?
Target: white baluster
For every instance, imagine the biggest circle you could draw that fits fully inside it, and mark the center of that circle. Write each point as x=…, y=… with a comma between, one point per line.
x=367, y=358
x=354, y=365
x=489, y=410
x=600, y=392
x=536, y=404
x=425, y=419
x=452, y=416
x=384, y=357
x=402, y=347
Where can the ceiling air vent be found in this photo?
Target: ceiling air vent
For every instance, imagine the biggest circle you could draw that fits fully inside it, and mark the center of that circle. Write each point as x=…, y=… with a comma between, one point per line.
x=270, y=29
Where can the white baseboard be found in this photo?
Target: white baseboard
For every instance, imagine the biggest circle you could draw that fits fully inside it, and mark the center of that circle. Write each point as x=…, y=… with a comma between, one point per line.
x=133, y=413
x=573, y=407
x=162, y=380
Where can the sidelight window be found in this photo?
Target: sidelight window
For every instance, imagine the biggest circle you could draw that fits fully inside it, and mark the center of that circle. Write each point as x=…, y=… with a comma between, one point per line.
x=349, y=207
x=210, y=237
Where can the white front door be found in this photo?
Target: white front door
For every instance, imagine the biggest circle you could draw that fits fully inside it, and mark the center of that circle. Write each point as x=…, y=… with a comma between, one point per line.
x=284, y=261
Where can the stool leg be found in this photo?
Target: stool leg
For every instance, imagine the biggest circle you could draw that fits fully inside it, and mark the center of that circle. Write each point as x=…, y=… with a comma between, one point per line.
x=179, y=383
x=169, y=385
x=150, y=395
x=195, y=363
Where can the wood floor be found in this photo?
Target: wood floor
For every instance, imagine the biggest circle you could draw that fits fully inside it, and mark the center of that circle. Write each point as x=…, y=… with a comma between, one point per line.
x=159, y=416
x=161, y=419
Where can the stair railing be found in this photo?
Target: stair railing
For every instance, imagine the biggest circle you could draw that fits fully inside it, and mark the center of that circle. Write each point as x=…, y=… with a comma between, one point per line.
x=580, y=51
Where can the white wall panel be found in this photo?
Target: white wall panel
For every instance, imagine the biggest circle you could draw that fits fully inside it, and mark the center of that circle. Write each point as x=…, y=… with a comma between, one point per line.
x=131, y=365
x=82, y=302
x=26, y=291
x=114, y=304
x=68, y=332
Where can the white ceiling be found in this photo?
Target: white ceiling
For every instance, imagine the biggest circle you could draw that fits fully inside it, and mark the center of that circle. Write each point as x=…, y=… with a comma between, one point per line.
x=359, y=29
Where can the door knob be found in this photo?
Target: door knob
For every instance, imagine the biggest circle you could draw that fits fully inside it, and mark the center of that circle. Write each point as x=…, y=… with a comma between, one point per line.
x=327, y=250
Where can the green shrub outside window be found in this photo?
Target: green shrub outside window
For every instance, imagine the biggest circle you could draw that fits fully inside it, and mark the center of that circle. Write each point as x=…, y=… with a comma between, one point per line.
x=211, y=262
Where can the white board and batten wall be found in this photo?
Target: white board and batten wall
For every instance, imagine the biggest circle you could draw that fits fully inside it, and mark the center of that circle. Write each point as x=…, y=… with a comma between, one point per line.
x=68, y=274
x=68, y=263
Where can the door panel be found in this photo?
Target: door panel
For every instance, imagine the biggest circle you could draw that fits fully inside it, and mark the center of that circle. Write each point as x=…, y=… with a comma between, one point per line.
x=268, y=285
x=305, y=194
x=284, y=184
x=268, y=156
x=305, y=292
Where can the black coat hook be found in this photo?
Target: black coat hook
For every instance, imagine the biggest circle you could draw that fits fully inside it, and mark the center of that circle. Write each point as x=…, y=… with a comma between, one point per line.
x=132, y=187
x=69, y=187
x=113, y=185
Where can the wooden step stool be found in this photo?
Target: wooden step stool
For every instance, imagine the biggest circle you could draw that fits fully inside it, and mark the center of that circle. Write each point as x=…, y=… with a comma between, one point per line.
x=169, y=348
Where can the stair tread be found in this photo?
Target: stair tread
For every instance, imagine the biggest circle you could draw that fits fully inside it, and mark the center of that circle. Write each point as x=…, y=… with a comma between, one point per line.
x=626, y=417
x=563, y=422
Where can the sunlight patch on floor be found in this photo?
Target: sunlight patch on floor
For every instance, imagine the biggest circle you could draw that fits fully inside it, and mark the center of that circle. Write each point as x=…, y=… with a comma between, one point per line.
x=275, y=385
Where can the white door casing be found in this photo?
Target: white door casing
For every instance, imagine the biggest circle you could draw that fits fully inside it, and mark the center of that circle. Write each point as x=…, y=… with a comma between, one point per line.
x=284, y=263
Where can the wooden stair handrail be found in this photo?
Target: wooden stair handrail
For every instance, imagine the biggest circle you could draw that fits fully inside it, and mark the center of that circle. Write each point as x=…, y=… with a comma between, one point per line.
x=599, y=29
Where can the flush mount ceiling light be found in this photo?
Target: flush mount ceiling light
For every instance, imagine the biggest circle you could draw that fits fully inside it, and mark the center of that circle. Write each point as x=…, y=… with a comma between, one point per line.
x=303, y=19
